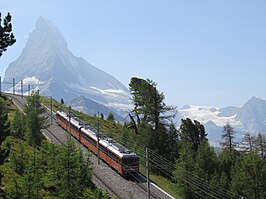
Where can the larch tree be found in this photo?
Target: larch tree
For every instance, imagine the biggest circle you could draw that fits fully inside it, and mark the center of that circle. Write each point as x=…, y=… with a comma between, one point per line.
x=228, y=136
x=149, y=102
x=35, y=120
x=18, y=125
x=111, y=117
x=249, y=177
x=7, y=37
x=249, y=143
x=150, y=113
x=192, y=133
x=261, y=144
x=73, y=173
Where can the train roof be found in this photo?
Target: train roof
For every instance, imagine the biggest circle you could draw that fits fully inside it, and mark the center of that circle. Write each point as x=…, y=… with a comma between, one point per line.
x=105, y=141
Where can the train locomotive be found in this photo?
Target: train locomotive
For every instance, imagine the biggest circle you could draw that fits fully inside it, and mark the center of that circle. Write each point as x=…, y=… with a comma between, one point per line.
x=114, y=154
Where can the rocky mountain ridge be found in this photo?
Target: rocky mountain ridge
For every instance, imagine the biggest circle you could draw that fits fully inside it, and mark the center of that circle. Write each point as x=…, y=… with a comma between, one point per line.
x=47, y=60
x=251, y=117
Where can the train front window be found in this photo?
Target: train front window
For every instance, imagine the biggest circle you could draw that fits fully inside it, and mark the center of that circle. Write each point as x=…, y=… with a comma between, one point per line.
x=130, y=161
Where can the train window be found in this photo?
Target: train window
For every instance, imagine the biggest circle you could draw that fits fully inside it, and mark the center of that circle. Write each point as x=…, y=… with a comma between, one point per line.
x=74, y=127
x=86, y=137
x=60, y=117
x=113, y=156
x=131, y=161
x=103, y=149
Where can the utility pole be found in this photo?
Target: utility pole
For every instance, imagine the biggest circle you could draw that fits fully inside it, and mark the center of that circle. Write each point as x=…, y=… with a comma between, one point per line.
x=13, y=86
x=69, y=109
x=148, y=174
x=98, y=140
x=51, y=109
x=0, y=85
x=21, y=88
x=29, y=89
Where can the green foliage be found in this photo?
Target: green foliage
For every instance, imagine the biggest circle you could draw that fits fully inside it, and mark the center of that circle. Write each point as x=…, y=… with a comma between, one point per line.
x=249, y=177
x=195, y=169
x=6, y=36
x=18, y=125
x=149, y=102
x=4, y=122
x=47, y=172
x=33, y=172
x=110, y=117
x=228, y=136
x=192, y=134
x=35, y=120
x=148, y=119
x=73, y=174
x=102, y=116
x=4, y=128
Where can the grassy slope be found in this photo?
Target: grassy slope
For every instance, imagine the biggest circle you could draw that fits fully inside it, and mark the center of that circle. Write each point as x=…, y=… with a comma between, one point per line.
x=114, y=130
x=15, y=145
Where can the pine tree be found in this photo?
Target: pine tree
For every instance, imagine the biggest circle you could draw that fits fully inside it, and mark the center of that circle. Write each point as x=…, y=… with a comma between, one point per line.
x=228, y=136
x=4, y=122
x=33, y=177
x=4, y=128
x=72, y=173
x=261, y=145
x=111, y=117
x=192, y=133
x=249, y=177
x=6, y=36
x=35, y=120
x=249, y=143
x=149, y=102
x=150, y=114
x=18, y=125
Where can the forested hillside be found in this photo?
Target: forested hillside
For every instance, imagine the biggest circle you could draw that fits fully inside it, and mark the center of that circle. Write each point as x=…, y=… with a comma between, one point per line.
x=30, y=167
x=184, y=155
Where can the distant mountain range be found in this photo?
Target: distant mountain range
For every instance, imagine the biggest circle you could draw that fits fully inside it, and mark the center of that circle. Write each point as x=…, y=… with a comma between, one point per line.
x=46, y=63
x=251, y=117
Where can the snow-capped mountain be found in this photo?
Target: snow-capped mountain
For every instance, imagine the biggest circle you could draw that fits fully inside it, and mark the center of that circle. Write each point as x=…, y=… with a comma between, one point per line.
x=251, y=117
x=48, y=64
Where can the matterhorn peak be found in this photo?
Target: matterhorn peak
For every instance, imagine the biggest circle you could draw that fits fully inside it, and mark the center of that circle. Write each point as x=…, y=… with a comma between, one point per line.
x=46, y=59
x=48, y=34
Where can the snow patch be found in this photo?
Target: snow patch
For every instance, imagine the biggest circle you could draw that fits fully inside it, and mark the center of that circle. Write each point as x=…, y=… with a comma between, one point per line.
x=205, y=114
x=111, y=92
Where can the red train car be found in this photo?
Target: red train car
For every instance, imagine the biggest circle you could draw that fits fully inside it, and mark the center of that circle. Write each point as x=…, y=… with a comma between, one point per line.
x=114, y=154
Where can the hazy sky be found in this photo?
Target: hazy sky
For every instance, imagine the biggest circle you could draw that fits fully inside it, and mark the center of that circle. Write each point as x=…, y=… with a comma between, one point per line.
x=199, y=52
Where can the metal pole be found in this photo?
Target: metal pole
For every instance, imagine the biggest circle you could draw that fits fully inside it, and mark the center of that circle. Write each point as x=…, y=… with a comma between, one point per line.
x=51, y=109
x=148, y=174
x=21, y=88
x=69, y=109
x=0, y=85
x=29, y=89
x=98, y=139
x=13, y=86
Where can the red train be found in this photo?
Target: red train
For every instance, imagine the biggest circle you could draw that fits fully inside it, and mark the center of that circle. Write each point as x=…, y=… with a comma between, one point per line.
x=114, y=154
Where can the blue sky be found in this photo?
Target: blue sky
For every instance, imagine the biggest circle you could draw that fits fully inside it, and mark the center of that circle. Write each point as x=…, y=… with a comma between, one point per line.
x=199, y=52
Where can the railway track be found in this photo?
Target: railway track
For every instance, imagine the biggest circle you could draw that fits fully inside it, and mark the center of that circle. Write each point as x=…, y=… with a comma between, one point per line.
x=103, y=176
